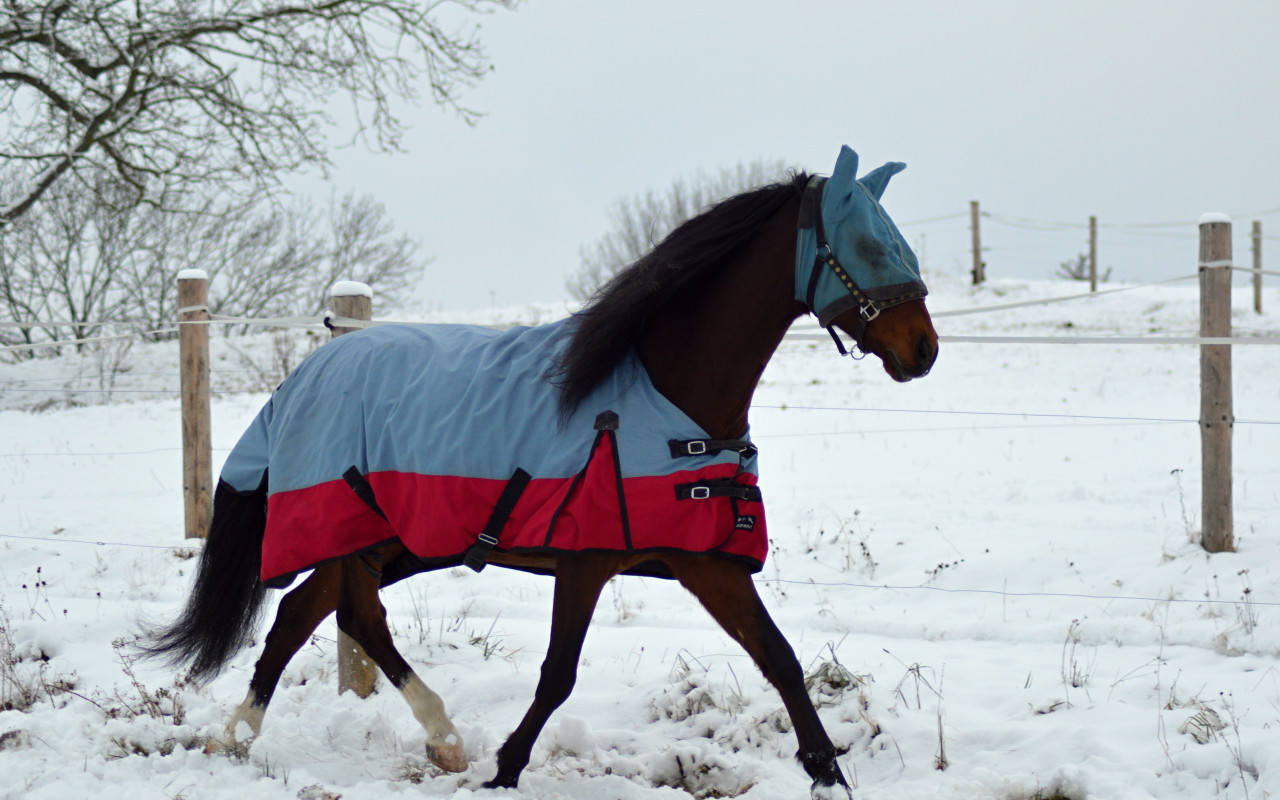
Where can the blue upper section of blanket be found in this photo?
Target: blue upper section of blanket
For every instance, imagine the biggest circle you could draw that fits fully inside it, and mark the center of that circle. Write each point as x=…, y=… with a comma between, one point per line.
x=863, y=238
x=451, y=400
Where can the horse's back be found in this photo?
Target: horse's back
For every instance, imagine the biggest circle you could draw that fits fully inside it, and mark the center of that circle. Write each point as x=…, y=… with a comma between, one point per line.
x=432, y=399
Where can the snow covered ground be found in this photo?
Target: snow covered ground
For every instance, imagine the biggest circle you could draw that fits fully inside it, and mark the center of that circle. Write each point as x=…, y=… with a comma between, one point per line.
x=992, y=574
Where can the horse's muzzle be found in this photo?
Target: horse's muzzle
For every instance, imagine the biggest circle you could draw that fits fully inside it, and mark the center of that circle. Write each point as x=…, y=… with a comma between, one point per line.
x=926, y=352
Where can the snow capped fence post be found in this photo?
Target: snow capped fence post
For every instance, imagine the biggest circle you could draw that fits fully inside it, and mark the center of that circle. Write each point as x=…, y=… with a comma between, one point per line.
x=1257, y=266
x=351, y=300
x=356, y=671
x=1216, y=412
x=979, y=268
x=193, y=358
x=1093, y=253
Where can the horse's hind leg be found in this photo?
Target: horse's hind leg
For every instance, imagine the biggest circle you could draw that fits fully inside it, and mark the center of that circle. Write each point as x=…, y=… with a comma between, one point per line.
x=579, y=580
x=726, y=590
x=297, y=616
x=362, y=616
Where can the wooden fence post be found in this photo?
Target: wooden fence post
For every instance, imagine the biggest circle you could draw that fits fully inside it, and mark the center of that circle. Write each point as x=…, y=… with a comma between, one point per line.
x=356, y=671
x=1216, y=412
x=979, y=268
x=193, y=383
x=1093, y=254
x=1257, y=266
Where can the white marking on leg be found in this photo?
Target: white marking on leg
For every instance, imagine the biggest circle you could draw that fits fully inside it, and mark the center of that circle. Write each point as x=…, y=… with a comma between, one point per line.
x=444, y=743
x=245, y=722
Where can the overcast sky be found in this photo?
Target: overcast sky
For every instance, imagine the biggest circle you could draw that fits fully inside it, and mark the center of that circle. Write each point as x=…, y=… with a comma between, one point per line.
x=1138, y=112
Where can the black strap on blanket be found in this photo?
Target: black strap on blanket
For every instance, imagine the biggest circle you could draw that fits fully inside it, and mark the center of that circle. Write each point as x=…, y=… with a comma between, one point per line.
x=708, y=447
x=478, y=553
x=718, y=487
x=607, y=425
x=360, y=485
x=372, y=562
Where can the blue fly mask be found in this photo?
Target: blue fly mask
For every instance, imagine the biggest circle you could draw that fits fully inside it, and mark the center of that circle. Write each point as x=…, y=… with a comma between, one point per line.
x=849, y=254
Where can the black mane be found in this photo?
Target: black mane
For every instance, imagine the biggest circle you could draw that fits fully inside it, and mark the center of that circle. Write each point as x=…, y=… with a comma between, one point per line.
x=619, y=313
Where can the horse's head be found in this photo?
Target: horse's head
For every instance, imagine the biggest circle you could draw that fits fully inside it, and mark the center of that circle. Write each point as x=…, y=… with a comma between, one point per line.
x=855, y=271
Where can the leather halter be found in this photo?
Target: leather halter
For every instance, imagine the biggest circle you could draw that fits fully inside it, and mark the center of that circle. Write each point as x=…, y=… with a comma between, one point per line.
x=824, y=255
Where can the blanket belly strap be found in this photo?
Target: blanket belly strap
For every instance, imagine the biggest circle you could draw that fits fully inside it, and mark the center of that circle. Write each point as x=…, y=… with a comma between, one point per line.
x=720, y=487
x=478, y=553
x=709, y=447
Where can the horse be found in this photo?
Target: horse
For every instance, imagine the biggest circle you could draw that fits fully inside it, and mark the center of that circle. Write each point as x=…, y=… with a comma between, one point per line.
x=651, y=381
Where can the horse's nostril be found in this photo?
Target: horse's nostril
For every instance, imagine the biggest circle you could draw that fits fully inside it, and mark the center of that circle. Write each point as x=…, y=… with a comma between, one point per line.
x=925, y=353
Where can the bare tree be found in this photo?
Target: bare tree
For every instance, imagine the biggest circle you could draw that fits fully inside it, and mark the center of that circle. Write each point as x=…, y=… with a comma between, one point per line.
x=361, y=244
x=180, y=94
x=271, y=260
x=64, y=262
x=1077, y=269
x=641, y=221
x=75, y=259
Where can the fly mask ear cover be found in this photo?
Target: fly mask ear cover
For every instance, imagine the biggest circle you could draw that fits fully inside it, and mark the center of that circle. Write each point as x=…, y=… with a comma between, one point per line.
x=862, y=239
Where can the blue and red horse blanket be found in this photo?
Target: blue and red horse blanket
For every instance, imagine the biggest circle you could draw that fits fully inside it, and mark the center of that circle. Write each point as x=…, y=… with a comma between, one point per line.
x=437, y=418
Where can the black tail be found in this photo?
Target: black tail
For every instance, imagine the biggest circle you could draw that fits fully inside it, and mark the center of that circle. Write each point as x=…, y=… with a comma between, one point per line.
x=222, y=612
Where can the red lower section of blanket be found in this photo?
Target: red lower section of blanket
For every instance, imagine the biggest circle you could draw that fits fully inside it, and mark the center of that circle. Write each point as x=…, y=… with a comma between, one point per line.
x=438, y=516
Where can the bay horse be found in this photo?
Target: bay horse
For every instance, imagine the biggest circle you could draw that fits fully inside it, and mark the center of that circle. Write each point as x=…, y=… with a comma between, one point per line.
x=355, y=469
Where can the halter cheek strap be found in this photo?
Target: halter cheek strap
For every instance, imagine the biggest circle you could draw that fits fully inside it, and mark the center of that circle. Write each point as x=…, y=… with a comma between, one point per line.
x=824, y=256
x=811, y=217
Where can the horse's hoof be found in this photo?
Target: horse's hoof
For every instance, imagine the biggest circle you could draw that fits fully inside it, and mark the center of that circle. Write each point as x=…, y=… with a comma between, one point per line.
x=499, y=782
x=228, y=747
x=449, y=756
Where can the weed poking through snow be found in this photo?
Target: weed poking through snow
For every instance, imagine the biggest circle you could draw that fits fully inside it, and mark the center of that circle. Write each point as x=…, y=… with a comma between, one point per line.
x=24, y=672
x=1075, y=674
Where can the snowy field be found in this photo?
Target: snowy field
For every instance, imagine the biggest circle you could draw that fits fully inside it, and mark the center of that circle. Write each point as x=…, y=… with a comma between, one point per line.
x=992, y=575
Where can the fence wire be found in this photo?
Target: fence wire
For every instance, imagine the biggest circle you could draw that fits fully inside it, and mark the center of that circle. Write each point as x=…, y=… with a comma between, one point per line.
x=1003, y=593
x=329, y=320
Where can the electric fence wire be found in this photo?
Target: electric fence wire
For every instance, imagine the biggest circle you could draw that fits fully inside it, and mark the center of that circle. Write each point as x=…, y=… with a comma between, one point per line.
x=328, y=320
x=1004, y=593
x=1023, y=414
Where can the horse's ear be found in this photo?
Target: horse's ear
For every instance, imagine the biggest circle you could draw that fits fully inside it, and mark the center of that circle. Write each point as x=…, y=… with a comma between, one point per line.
x=877, y=179
x=837, y=197
x=846, y=171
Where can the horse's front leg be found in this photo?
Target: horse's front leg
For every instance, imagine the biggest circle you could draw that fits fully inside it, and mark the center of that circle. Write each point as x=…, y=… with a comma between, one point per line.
x=579, y=580
x=726, y=590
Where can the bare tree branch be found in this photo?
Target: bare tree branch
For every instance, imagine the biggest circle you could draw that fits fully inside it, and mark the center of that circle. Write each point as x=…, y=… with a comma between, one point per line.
x=88, y=256
x=642, y=221
x=172, y=95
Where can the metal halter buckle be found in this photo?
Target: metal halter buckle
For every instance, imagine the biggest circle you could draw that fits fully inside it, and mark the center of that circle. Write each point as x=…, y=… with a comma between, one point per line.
x=700, y=493
x=868, y=311
x=696, y=448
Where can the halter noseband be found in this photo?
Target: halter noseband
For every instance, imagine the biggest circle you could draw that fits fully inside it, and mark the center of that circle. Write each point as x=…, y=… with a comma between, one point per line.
x=868, y=308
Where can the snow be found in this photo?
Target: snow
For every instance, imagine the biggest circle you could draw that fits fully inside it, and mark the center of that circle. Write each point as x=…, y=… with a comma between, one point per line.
x=993, y=551
x=1214, y=216
x=192, y=275
x=351, y=289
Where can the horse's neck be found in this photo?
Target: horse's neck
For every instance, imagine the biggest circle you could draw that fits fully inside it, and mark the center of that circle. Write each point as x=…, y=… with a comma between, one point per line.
x=706, y=350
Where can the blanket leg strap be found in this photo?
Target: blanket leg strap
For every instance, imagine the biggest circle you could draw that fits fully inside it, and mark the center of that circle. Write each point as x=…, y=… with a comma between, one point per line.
x=360, y=485
x=478, y=553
